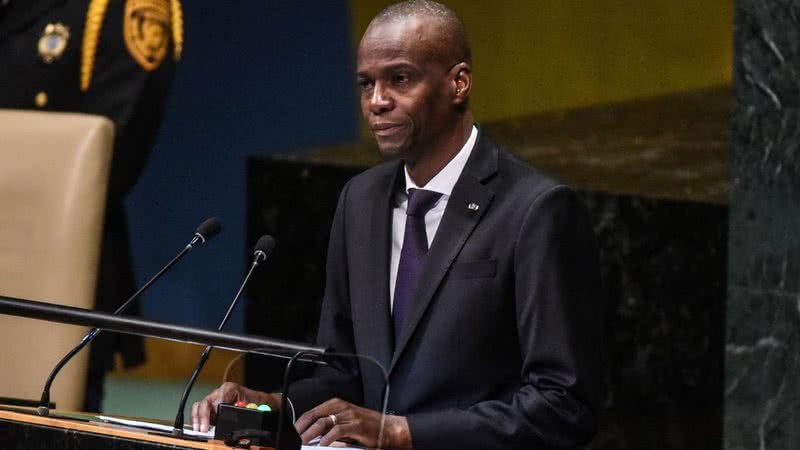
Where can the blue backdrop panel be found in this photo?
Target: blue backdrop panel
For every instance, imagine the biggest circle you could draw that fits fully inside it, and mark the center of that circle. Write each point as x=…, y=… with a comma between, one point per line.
x=256, y=77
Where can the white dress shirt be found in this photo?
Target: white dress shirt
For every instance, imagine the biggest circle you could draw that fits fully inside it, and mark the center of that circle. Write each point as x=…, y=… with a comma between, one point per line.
x=443, y=182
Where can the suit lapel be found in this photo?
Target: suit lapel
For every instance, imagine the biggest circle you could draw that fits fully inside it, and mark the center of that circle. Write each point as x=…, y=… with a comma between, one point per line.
x=469, y=201
x=377, y=298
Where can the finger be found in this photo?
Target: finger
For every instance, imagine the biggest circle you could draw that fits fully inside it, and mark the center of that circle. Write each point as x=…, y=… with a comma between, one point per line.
x=341, y=433
x=229, y=392
x=318, y=428
x=307, y=419
x=325, y=409
x=195, y=419
x=354, y=424
x=205, y=410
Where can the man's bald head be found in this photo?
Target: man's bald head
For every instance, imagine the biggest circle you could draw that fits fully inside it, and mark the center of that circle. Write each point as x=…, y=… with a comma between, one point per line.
x=415, y=79
x=451, y=36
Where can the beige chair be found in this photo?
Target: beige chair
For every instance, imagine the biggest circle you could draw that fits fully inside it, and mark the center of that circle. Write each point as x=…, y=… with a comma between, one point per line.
x=53, y=176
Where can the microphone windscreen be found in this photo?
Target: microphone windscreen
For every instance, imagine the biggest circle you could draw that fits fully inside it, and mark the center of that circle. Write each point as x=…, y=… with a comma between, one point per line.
x=209, y=228
x=265, y=244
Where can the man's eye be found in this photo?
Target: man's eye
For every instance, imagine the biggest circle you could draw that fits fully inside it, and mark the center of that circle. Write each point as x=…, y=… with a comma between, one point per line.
x=400, y=79
x=365, y=85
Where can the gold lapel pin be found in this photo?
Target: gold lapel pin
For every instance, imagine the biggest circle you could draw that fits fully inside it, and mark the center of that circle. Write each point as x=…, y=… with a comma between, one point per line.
x=473, y=207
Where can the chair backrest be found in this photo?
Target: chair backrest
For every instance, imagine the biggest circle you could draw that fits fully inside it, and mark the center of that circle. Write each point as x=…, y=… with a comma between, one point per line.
x=53, y=176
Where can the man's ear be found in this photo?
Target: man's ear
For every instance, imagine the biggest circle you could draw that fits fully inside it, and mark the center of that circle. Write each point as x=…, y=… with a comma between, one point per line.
x=462, y=82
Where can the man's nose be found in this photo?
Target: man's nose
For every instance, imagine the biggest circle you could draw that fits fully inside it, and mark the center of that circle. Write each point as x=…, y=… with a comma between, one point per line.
x=381, y=100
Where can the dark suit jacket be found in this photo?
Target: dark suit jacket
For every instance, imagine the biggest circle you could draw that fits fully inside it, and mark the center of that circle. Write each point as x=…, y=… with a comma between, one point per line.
x=122, y=91
x=502, y=348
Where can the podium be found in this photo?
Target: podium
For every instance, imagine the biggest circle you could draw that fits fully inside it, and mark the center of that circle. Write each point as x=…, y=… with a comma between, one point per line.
x=33, y=432
x=21, y=429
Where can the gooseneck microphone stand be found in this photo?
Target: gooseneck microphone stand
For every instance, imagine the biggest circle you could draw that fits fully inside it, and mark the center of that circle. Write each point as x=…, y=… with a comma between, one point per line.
x=263, y=248
x=207, y=230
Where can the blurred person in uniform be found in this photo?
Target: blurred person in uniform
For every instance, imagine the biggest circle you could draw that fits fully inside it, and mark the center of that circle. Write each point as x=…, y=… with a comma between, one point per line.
x=114, y=58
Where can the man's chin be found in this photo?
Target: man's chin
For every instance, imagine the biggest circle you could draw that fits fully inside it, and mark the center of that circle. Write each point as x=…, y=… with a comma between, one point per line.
x=390, y=150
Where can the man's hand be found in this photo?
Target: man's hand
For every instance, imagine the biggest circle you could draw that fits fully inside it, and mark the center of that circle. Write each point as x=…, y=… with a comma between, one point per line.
x=338, y=420
x=204, y=411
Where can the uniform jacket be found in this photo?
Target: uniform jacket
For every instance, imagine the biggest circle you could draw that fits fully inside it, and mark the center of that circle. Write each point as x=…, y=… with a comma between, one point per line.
x=502, y=348
x=120, y=89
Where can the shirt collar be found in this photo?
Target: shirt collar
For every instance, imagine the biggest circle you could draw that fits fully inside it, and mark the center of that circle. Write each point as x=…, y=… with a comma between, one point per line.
x=444, y=181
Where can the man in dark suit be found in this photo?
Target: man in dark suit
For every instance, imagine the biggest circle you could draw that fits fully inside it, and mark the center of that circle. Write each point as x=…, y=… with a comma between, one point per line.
x=490, y=335
x=112, y=58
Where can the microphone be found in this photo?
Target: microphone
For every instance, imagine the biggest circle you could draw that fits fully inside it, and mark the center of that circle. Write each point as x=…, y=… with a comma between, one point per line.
x=205, y=232
x=261, y=252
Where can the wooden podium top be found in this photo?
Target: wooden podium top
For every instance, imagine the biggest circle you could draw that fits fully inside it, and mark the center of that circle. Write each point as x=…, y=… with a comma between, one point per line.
x=109, y=431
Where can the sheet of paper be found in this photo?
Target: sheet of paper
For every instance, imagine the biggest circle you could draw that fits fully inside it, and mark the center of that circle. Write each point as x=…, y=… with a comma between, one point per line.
x=314, y=444
x=155, y=426
x=208, y=435
x=314, y=447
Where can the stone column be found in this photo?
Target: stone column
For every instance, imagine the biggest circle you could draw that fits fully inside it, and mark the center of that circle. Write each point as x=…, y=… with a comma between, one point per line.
x=762, y=369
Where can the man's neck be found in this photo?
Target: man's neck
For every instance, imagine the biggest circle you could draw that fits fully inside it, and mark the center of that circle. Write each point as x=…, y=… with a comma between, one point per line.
x=433, y=161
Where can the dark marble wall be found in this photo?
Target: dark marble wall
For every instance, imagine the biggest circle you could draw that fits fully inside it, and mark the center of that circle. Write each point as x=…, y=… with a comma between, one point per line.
x=295, y=203
x=762, y=372
x=663, y=265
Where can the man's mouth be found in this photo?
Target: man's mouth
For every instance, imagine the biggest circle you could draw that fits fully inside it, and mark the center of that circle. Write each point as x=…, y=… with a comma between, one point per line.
x=385, y=128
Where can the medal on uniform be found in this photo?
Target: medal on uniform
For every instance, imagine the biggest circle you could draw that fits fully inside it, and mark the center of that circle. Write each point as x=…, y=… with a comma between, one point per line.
x=53, y=41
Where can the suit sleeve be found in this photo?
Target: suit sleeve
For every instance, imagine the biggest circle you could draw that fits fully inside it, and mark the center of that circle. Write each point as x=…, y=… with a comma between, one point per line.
x=335, y=327
x=559, y=311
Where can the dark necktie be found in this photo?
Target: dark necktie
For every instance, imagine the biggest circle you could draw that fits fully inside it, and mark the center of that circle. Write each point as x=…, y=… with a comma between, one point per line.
x=412, y=255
